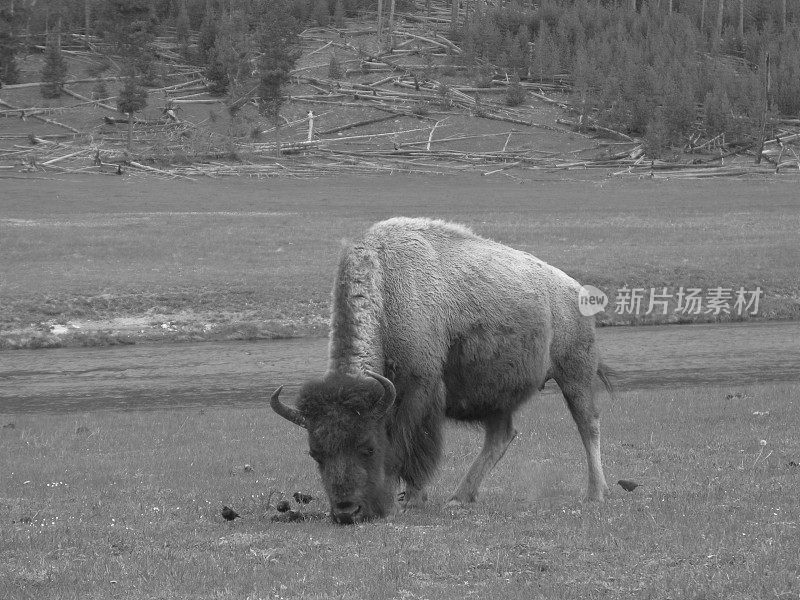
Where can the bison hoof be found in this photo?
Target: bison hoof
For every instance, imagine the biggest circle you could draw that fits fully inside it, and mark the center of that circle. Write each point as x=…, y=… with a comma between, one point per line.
x=597, y=495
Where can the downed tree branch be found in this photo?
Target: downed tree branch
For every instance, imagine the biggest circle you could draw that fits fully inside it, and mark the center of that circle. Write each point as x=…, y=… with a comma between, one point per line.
x=357, y=124
x=69, y=92
x=154, y=170
x=53, y=161
x=43, y=119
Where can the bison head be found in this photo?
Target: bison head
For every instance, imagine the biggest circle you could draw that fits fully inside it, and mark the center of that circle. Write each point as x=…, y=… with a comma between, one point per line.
x=346, y=421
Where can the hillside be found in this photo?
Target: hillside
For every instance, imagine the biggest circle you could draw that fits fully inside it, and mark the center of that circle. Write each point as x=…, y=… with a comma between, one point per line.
x=414, y=109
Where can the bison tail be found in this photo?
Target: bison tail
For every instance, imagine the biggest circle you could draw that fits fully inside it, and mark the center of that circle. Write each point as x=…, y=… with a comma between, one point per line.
x=607, y=375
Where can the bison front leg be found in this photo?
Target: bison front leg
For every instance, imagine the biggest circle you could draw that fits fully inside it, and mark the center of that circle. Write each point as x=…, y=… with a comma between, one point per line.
x=500, y=433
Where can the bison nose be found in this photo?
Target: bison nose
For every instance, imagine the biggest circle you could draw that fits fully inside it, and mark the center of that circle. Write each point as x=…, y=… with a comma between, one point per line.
x=346, y=512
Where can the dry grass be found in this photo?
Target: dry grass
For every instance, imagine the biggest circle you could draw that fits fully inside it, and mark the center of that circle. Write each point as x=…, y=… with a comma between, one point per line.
x=246, y=258
x=126, y=504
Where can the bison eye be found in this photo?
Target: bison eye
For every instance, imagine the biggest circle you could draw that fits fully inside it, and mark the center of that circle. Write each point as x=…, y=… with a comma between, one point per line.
x=367, y=450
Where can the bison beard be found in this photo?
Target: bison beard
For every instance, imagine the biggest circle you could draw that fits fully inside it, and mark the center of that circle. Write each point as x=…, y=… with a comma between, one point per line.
x=460, y=327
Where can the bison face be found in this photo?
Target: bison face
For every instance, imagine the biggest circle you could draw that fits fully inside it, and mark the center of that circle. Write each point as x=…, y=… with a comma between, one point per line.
x=353, y=471
x=346, y=421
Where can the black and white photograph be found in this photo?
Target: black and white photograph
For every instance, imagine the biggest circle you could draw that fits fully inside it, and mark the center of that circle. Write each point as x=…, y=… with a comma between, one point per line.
x=399, y=299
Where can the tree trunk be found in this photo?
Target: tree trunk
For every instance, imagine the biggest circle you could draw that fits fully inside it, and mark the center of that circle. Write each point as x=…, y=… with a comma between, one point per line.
x=87, y=15
x=130, y=132
x=380, y=24
x=391, y=24
x=702, y=15
x=633, y=5
x=277, y=137
x=767, y=92
x=783, y=15
x=718, y=27
x=741, y=20
x=454, y=15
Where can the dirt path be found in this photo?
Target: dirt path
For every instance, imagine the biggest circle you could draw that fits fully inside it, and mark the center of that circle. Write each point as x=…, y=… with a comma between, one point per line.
x=237, y=373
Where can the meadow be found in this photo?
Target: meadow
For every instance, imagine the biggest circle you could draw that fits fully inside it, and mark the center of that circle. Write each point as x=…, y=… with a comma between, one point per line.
x=126, y=504
x=110, y=504
x=133, y=258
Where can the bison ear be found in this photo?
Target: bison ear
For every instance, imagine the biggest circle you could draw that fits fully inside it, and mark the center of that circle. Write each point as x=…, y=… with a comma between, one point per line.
x=389, y=394
x=287, y=412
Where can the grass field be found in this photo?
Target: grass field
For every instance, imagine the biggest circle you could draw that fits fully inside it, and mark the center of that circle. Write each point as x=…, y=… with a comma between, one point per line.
x=126, y=505
x=94, y=260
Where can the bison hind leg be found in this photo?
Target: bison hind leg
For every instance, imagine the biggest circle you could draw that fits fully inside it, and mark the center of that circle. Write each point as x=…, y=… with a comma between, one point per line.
x=580, y=400
x=499, y=434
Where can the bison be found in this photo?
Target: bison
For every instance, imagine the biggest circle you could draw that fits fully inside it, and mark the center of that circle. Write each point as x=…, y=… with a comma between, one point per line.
x=431, y=321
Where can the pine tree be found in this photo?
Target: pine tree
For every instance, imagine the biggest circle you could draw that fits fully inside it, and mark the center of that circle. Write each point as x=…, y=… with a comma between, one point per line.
x=182, y=29
x=216, y=73
x=131, y=25
x=54, y=71
x=132, y=98
x=9, y=72
x=99, y=91
x=207, y=36
x=277, y=41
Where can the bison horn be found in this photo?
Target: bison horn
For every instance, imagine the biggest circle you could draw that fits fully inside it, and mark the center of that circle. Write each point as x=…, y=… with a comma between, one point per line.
x=287, y=412
x=389, y=393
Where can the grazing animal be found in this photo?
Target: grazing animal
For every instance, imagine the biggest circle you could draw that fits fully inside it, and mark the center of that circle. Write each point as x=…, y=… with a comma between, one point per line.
x=628, y=485
x=430, y=321
x=229, y=514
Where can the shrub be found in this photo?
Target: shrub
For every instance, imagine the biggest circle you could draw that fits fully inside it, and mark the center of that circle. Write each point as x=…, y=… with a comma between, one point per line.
x=335, y=69
x=420, y=109
x=657, y=135
x=787, y=76
x=717, y=112
x=100, y=91
x=443, y=91
x=483, y=76
x=515, y=94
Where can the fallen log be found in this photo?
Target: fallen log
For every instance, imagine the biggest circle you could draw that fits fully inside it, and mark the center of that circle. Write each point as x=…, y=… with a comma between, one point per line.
x=154, y=170
x=451, y=46
x=43, y=119
x=493, y=117
x=357, y=124
x=53, y=161
x=69, y=92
